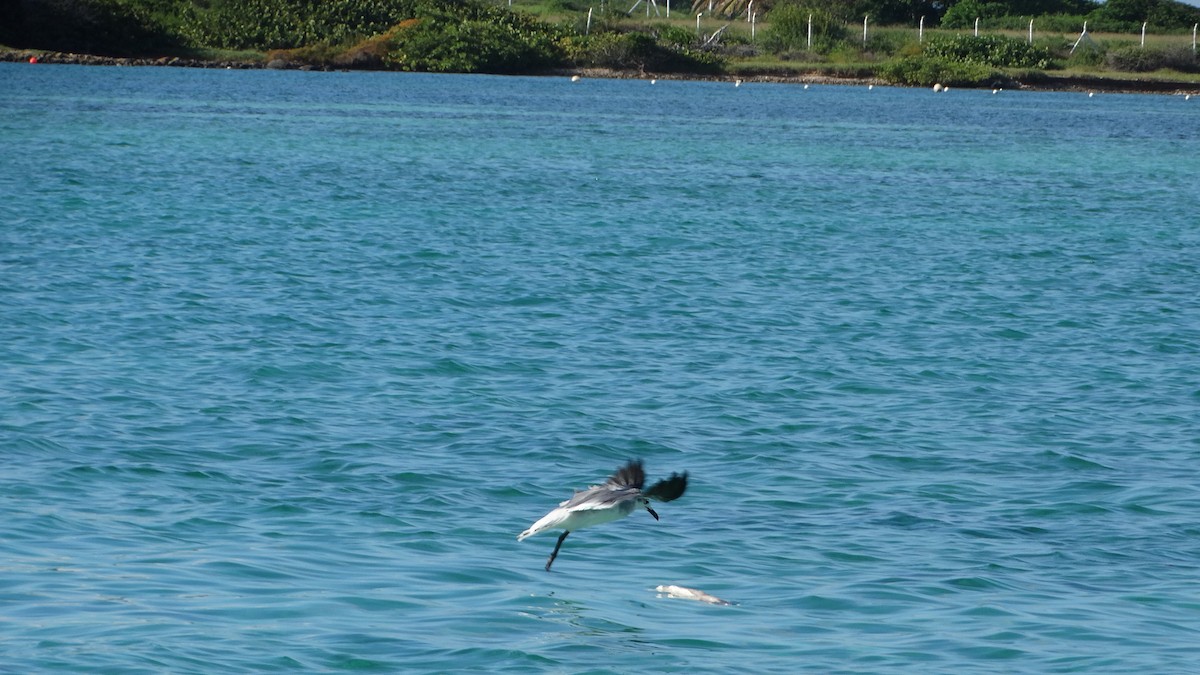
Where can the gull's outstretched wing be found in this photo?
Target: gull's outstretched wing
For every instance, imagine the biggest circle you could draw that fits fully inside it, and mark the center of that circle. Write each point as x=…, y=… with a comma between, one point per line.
x=629, y=476
x=669, y=489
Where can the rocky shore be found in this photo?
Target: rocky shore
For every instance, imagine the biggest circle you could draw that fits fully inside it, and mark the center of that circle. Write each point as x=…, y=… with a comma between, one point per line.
x=33, y=56
x=1043, y=81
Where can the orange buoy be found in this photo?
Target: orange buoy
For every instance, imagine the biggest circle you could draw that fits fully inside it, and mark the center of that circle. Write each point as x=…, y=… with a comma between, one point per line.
x=33, y=59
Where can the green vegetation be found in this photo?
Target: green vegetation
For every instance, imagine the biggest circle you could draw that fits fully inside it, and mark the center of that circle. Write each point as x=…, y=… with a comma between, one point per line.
x=471, y=38
x=996, y=51
x=789, y=29
x=927, y=70
x=965, y=60
x=788, y=38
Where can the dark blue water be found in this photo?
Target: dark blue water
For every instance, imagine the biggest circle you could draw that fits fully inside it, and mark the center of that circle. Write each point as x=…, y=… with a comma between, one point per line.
x=288, y=359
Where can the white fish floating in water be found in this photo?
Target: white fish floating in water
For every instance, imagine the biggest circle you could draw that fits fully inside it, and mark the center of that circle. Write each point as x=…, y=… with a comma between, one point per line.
x=690, y=594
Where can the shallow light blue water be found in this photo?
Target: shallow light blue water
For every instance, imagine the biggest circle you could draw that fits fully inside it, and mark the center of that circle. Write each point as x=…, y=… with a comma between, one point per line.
x=288, y=359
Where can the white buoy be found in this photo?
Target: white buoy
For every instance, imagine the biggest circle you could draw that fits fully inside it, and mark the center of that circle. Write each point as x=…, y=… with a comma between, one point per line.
x=575, y=78
x=1091, y=94
x=937, y=87
x=806, y=86
x=653, y=81
x=737, y=83
x=870, y=87
x=1187, y=97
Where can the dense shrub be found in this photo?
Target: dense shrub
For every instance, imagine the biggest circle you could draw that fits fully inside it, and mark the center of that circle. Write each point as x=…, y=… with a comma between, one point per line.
x=287, y=24
x=636, y=51
x=1054, y=23
x=964, y=60
x=890, y=41
x=788, y=29
x=608, y=50
x=924, y=71
x=995, y=51
x=1088, y=54
x=885, y=12
x=1126, y=16
x=1181, y=58
x=676, y=37
x=1044, y=23
x=105, y=27
x=964, y=13
x=1136, y=59
x=1069, y=15
x=474, y=39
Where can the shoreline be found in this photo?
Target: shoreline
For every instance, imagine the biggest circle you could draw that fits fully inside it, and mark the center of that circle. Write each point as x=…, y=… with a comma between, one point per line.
x=1043, y=81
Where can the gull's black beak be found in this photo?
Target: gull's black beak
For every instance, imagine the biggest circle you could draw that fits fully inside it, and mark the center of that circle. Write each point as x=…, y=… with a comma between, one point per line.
x=652, y=512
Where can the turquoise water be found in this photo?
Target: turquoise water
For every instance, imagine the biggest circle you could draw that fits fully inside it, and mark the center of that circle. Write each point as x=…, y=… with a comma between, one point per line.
x=288, y=359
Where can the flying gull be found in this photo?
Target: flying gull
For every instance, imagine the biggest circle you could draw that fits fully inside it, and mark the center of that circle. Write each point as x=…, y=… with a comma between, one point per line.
x=620, y=496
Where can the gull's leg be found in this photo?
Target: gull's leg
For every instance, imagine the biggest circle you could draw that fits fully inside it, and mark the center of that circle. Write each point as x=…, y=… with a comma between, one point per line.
x=556, y=547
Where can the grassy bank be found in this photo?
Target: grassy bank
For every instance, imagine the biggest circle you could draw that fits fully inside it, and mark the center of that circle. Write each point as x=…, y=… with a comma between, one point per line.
x=787, y=42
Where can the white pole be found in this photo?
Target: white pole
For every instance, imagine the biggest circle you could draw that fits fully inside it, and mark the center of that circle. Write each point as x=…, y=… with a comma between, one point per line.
x=668, y=9
x=1031, y=31
x=710, y=2
x=1081, y=36
x=698, y=22
x=865, y=30
x=976, y=26
x=753, y=24
x=588, y=29
x=749, y=11
x=810, y=35
x=921, y=31
x=1144, y=34
x=1194, y=37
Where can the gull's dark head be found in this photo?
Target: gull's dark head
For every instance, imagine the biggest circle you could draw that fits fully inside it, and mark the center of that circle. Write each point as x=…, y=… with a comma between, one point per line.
x=646, y=503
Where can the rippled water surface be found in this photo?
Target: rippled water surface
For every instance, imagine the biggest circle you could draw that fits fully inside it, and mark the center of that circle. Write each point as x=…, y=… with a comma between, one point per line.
x=288, y=359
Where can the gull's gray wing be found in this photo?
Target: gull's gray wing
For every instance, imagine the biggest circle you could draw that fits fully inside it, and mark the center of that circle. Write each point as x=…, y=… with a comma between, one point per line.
x=598, y=497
